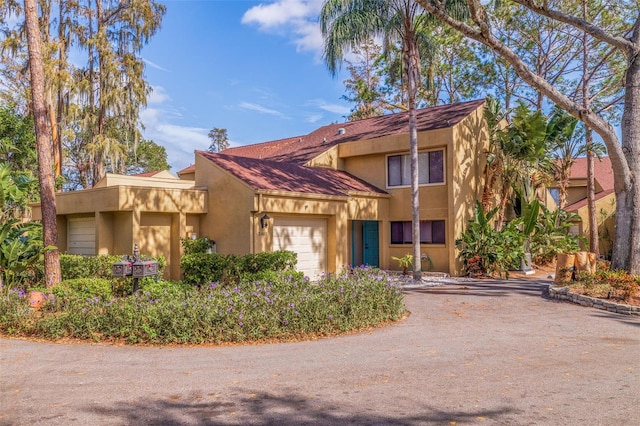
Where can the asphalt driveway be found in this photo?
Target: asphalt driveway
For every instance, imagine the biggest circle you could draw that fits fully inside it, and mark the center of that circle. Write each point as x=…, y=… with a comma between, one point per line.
x=486, y=352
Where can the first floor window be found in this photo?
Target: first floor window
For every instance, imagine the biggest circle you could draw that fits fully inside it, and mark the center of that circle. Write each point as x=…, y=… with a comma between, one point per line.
x=431, y=232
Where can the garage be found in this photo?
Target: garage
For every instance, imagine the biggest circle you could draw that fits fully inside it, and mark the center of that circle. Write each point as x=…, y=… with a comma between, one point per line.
x=307, y=238
x=81, y=236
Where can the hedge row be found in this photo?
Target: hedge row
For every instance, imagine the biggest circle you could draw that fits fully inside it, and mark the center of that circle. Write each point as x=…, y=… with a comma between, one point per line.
x=205, y=268
x=75, y=266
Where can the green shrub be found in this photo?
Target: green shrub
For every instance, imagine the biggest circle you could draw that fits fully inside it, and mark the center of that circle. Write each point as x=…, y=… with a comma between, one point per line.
x=75, y=266
x=280, y=306
x=203, y=269
x=199, y=245
x=85, y=288
x=165, y=288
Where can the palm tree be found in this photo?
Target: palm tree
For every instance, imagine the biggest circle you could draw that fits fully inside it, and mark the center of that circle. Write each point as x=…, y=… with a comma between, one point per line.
x=561, y=132
x=524, y=157
x=495, y=116
x=347, y=24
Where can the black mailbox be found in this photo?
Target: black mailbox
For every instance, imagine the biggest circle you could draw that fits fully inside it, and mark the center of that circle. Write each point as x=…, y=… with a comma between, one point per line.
x=145, y=268
x=122, y=269
x=133, y=267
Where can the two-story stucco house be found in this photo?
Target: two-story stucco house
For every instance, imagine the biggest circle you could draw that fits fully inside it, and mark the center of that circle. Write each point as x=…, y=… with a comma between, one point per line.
x=337, y=196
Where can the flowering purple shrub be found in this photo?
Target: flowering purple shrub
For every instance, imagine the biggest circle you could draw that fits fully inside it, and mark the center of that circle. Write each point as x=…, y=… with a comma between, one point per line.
x=281, y=306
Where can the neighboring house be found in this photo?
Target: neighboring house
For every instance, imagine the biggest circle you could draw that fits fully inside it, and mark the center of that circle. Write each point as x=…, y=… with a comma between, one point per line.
x=604, y=197
x=338, y=196
x=120, y=211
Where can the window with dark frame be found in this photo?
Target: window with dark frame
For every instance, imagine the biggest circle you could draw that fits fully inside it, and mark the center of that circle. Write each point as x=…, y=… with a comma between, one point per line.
x=431, y=232
x=430, y=168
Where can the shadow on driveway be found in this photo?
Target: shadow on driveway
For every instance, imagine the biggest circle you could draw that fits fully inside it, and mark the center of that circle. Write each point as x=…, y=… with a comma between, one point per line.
x=488, y=287
x=258, y=408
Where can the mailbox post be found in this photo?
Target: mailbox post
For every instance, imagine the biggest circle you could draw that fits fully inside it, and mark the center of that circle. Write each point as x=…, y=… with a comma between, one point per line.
x=132, y=266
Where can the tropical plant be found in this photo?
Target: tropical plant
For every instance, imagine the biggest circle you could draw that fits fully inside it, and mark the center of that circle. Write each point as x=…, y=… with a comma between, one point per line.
x=485, y=250
x=561, y=130
x=551, y=235
x=405, y=262
x=20, y=242
x=495, y=118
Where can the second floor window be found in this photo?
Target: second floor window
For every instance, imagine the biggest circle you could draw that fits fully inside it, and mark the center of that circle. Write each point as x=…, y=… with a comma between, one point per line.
x=430, y=168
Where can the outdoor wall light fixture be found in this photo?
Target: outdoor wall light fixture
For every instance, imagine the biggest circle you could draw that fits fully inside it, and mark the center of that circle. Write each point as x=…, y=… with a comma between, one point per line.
x=264, y=221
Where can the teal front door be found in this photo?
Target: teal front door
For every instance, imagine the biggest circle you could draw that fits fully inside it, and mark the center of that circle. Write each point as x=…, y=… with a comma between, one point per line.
x=370, y=243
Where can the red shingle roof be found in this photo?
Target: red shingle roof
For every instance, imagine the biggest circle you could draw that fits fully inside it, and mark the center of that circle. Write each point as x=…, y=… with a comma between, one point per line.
x=187, y=169
x=602, y=169
x=261, y=174
x=301, y=149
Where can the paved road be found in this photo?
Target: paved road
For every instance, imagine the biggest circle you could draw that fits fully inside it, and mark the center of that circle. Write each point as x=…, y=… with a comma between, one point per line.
x=474, y=353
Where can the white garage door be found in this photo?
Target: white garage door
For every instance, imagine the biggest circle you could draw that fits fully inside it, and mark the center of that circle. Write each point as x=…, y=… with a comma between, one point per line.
x=81, y=236
x=307, y=238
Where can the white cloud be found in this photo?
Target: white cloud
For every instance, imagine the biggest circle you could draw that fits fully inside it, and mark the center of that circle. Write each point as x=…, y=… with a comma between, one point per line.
x=297, y=19
x=154, y=65
x=278, y=13
x=326, y=106
x=179, y=141
x=158, y=95
x=313, y=118
x=259, y=108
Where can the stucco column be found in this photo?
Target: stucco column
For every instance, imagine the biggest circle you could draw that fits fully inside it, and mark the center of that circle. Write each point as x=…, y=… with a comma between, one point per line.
x=338, y=238
x=178, y=231
x=135, y=229
x=104, y=233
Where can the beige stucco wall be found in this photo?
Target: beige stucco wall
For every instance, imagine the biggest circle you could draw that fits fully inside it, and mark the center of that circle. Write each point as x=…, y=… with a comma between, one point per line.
x=575, y=194
x=330, y=159
x=368, y=161
x=230, y=205
x=160, y=180
x=464, y=146
x=467, y=159
x=605, y=208
x=152, y=217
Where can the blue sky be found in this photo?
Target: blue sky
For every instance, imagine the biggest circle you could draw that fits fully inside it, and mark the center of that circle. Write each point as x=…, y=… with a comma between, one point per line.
x=252, y=67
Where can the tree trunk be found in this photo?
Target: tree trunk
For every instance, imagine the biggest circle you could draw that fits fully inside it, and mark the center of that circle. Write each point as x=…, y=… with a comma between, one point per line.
x=591, y=181
x=411, y=58
x=626, y=251
x=594, y=244
x=43, y=147
x=99, y=153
